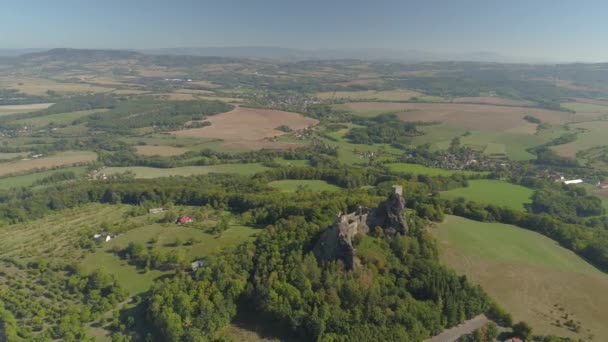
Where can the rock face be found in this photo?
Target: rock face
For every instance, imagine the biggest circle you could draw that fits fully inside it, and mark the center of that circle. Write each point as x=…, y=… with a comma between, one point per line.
x=336, y=243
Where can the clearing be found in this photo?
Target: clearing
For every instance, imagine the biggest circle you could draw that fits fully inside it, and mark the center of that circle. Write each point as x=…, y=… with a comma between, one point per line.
x=16, y=109
x=247, y=128
x=493, y=192
x=160, y=150
x=425, y=170
x=469, y=116
x=528, y=274
x=293, y=185
x=151, y=172
x=56, y=160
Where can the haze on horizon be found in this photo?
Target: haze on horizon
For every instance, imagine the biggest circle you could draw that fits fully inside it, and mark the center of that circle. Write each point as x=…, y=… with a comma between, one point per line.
x=564, y=31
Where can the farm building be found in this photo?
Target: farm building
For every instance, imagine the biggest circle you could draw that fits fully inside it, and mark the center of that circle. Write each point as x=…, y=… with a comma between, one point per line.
x=573, y=181
x=184, y=219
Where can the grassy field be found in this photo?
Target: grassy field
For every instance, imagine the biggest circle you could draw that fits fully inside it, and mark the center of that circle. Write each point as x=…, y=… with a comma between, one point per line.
x=133, y=279
x=493, y=192
x=59, y=159
x=425, y=170
x=592, y=134
x=150, y=172
x=57, y=119
x=160, y=150
x=290, y=185
x=383, y=95
x=16, y=109
x=528, y=274
x=585, y=107
x=29, y=179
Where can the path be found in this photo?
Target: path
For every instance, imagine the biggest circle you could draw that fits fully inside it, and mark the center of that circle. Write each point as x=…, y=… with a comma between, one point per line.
x=454, y=333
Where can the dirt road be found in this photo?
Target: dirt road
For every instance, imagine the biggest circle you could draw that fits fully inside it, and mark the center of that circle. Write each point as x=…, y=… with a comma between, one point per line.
x=454, y=333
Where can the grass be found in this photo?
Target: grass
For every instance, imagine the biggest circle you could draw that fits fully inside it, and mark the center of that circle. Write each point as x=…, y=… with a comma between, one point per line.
x=150, y=172
x=290, y=185
x=591, y=134
x=57, y=119
x=493, y=192
x=16, y=109
x=528, y=274
x=585, y=107
x=383, y=95
x=425, y=170
x=134, y=280
x=29, y=179
x=59, y=159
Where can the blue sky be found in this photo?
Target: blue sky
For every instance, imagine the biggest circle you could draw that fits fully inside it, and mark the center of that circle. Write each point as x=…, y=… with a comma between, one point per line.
x=554, y=29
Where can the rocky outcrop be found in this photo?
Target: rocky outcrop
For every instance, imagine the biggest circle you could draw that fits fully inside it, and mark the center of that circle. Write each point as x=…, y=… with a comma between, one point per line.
x=336, y=243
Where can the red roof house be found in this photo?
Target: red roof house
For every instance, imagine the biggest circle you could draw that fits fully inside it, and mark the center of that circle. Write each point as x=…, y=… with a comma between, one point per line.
x=184, y=219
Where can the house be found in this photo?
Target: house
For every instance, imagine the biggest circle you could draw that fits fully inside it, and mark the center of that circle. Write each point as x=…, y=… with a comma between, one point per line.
x=198, y=264
x=603, y=186
x=184, y=219
x=573, y=181
x=157, y=210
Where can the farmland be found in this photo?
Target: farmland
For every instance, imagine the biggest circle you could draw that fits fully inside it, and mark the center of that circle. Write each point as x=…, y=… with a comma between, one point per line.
x=303, y=185
x=493, y=192
x=56, y=160
x=469, y=116
x=150, y=172
x=31, y=178
x=592, y=134
x=425, y=170
x=247, y=128
x=529, y=274
x=16, y=109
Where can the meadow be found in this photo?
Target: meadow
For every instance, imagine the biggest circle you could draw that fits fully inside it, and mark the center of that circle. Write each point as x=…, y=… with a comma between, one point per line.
x=528, y=274
x=55, y=160
x=57, y=119
x=591, y=134
x=425, y=170
x=29, y=179
x=493, y=192
x=292, y=185
x=160, y=150
x=150, y=172
x=16, y=109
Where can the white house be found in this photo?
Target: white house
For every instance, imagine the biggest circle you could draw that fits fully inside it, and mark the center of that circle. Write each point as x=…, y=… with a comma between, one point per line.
x=573, y=181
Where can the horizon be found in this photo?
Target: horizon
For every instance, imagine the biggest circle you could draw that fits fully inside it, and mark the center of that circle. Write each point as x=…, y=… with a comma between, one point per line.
x=565, y=32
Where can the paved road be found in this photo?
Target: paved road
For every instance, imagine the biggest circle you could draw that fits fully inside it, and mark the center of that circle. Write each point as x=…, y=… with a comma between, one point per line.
x=454, y=333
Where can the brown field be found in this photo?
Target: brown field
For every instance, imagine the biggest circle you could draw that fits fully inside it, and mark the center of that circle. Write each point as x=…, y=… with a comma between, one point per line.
x=15, y=109
x=358, y=82
x=59, y=159
x=470, y=116
x=491, y=100
x=162, y=150
x=246, y=128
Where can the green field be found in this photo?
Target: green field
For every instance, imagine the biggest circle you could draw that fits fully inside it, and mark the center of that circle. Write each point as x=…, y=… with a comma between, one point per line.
x=136, y=281
x=528, y=274
x=350, y=153
x=290, y=185
x=27, y=180
x=493, y=192
x=150, y=172
x=57, y=119
x=425, y=170
x=592, y=134
x=581, y=107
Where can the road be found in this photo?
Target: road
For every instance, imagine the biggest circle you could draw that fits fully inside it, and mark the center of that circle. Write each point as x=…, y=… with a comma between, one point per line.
x=454, y=333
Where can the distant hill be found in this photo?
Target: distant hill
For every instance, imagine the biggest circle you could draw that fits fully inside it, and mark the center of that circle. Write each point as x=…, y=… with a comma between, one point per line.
x=79, y=55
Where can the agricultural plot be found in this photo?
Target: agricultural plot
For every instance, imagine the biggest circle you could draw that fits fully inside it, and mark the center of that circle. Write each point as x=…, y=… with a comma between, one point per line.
x=592, y=134
x=57, y=119
x=160, y=150
x=493, y=192
x=290, y=185
x=383, y=95
x=16, y=109
x=150, y=172
x=528, y=274
x=56, y=160
x=39, y=86
x=425, y=170
x=30, y=179
x=469, y=116
x=247, y=128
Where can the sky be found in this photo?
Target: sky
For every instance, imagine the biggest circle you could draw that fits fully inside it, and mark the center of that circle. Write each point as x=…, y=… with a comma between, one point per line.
x=550, y=29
